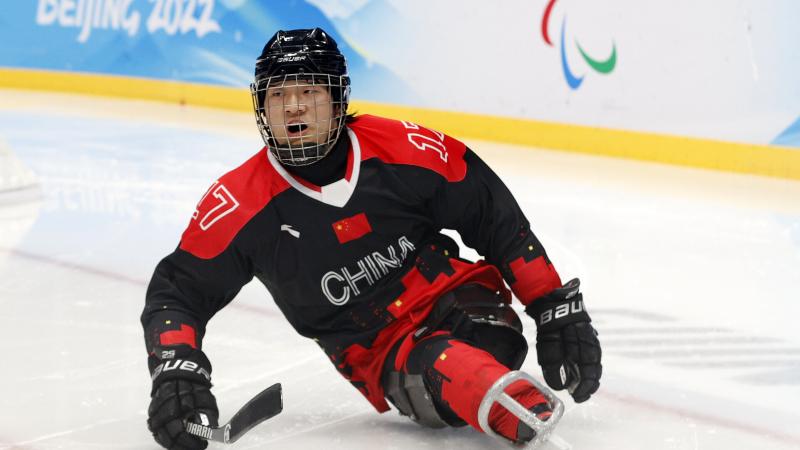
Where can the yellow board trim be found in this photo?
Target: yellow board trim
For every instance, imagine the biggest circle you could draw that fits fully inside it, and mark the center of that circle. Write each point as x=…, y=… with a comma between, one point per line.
x=755, y=159
x=128, y=87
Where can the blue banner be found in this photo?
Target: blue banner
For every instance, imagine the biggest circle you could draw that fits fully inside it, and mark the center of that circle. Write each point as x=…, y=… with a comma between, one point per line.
x=201, y=41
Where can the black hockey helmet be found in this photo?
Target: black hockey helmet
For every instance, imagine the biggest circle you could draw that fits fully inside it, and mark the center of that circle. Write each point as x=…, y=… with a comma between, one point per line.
x=300, y=51
x=309, y=56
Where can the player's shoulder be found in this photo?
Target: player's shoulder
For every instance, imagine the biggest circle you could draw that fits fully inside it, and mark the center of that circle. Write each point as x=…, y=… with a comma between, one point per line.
x=229, y=204
x=402, y=142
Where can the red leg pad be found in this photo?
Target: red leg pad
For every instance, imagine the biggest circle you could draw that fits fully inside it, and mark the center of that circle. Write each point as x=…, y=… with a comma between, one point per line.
x=469, y=372
x=505, y=423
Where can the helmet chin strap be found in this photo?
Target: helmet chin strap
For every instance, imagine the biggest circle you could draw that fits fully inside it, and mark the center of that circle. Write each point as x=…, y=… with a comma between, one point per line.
x=322, y=151
x=304, y=155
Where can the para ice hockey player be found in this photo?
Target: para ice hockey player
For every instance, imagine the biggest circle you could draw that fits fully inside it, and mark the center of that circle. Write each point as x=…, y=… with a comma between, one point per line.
x=339, y=216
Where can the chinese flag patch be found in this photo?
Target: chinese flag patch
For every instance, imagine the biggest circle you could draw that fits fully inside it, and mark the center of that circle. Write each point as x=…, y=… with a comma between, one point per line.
x=351, y=228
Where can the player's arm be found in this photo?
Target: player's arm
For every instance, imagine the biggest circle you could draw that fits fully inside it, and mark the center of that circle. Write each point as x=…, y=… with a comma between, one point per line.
x=488, y=218
x=195, y=288
x=184, y=293
x=486, y=215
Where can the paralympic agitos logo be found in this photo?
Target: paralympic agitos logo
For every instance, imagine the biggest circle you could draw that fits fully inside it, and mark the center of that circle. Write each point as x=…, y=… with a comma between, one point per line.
x=600, y=66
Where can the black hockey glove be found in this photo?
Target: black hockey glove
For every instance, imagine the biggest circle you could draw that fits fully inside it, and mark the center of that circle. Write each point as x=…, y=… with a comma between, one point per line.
x=566, y=343
x=181, y=390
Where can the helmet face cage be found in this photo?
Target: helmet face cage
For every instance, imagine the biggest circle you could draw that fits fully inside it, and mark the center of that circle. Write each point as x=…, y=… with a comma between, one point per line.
x=300, y=116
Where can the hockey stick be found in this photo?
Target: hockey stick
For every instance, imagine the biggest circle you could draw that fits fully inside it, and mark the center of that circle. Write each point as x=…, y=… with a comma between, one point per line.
x=268, y=403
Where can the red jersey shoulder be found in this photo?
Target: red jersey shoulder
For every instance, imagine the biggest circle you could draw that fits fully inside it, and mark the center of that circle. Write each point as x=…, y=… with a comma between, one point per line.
x=229, y=204
x=401, y=142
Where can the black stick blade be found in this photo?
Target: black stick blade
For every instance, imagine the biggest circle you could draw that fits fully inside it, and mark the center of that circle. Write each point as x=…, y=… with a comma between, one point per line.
x=263, y=406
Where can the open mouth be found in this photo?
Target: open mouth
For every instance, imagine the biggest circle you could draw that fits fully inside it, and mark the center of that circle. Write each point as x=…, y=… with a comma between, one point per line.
x=296, y=128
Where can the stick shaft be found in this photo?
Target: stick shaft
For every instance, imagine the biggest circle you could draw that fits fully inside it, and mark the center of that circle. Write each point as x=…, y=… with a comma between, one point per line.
x=263, y=406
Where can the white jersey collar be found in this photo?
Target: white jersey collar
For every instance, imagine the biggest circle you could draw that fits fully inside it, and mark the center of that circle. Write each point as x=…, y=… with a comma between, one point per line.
x=337, y=193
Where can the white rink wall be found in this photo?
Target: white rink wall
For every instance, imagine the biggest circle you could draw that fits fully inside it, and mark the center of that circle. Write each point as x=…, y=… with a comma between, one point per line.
x=711, y=69
x=724, y=70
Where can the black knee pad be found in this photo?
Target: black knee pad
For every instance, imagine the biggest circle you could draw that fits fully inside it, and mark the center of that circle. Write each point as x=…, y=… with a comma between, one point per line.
x=492, y=324
x=415, y=389
x=471, y=313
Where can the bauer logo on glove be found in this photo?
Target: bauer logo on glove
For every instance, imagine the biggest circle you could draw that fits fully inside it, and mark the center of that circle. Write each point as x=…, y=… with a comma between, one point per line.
x=560, y=311
x=179, y=364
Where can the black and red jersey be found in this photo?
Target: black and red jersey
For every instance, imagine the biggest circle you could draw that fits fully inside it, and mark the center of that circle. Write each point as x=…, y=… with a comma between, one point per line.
x=358, y=263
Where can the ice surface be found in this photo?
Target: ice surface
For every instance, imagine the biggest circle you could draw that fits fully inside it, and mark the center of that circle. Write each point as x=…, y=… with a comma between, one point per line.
x=691, y=277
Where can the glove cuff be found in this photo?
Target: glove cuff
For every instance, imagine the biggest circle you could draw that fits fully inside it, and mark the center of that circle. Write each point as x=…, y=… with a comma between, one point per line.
x=560, y=307
x=179, y=362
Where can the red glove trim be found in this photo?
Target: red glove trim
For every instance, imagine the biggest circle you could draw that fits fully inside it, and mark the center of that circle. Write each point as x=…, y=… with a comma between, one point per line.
x=534, y=279
x=186, y=335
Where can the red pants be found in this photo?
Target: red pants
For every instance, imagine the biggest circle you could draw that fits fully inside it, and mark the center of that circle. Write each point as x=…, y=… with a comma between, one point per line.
x=458, y=376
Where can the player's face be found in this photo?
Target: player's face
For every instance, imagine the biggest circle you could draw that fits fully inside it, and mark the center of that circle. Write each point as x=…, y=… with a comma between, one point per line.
x=299, y=112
